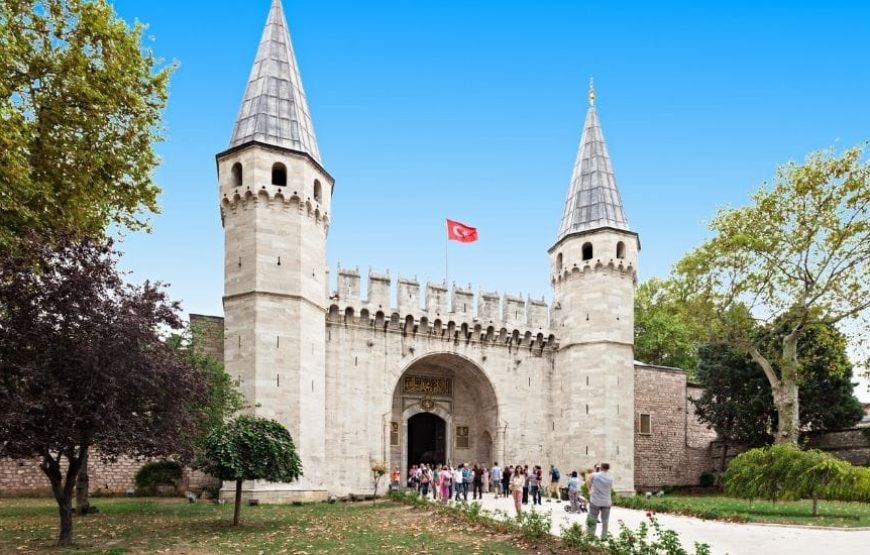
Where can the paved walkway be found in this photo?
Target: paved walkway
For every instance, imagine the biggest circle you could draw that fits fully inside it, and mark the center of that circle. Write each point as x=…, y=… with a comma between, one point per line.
x=724, y=538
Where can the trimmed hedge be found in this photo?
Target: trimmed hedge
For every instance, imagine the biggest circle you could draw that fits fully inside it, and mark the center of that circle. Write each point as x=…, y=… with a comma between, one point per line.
x=158, y=473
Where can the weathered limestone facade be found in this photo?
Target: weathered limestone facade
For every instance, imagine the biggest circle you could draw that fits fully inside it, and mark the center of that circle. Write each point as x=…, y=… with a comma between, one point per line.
x=433, y=375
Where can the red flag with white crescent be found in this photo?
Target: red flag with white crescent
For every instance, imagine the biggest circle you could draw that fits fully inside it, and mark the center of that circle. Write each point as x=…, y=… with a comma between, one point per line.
x=461, y=232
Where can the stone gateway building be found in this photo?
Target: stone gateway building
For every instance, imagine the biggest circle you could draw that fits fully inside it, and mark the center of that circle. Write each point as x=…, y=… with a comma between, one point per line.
x=437, y=374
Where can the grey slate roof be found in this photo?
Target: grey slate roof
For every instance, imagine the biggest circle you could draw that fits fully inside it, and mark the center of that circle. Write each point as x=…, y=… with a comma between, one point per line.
x=274, y=110
x=593, y=199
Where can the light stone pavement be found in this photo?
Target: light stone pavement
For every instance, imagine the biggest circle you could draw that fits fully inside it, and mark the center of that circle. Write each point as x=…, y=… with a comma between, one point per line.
x=724, y=538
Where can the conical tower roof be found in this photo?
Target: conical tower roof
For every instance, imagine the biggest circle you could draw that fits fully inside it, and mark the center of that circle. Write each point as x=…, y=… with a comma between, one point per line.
x=593, y=198
x=274, y=110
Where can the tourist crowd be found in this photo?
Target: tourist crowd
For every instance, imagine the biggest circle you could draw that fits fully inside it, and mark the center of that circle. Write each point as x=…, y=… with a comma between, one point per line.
x=524, y=484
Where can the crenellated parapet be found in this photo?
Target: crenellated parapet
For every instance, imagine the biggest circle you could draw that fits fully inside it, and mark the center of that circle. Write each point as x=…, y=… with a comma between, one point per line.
x=273, y=198
x=454, y=314
x=618, y=268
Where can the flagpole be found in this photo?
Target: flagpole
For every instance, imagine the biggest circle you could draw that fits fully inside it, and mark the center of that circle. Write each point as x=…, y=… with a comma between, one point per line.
x=447, y=263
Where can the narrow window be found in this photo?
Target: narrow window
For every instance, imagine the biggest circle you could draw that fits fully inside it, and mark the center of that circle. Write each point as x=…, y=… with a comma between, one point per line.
x=237, y=175
x=645, y=425
x=587, y=251
x=279, y=174
x=559, y=261
x=318, y=191
x=620, y=250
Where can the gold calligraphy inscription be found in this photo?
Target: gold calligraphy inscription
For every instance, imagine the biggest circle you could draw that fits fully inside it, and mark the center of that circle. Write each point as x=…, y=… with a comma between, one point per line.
x=427, y=385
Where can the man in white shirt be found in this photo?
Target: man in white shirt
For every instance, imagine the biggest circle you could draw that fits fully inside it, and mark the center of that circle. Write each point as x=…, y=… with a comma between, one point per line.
x=600, y=486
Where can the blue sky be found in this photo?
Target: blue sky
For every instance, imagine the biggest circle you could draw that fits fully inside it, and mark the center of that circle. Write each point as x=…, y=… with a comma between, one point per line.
x=473, y=111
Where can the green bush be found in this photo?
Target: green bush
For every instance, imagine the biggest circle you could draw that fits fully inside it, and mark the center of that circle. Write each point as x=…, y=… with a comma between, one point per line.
x=662, y=541
x=158, y=473
x=534, y=525
x=576, y=537
x=707, y=479
x=784, y=472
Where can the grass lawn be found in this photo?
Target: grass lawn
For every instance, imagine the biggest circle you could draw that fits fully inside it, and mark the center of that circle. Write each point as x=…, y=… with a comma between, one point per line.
x=174, y=526
x=831, y=513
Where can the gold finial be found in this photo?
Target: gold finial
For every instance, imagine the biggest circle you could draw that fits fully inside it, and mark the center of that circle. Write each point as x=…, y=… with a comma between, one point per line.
x=592, y=91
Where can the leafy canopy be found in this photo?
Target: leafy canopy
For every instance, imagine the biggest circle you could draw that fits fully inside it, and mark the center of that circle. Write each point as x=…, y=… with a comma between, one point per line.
x=250, y=448
x=80, y=109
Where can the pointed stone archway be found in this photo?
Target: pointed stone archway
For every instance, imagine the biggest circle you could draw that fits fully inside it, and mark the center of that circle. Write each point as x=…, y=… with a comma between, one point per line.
x=455, y=390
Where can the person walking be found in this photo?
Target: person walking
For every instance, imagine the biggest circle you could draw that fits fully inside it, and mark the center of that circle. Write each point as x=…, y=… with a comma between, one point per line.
x=457, y=482
x=553, y=488
x=495, y=476
x=517, y=484
x=574, y=492
x=525, y=472
x=485, y=480
x=436, y=481
x=395, y=477
x=467, y=477
x=506, y=480
x=600, y=486
x=425, y=478
x=536, y=482
x=477, y=482
x=445, y=478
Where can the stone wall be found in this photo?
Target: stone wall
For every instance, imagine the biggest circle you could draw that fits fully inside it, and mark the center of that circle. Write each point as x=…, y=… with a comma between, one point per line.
x=23, y=477
x=851, y=445
x=677, y=448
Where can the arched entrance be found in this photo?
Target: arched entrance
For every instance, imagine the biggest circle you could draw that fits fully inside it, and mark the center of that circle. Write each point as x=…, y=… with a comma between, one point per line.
x=427, y=439
x=444, y=411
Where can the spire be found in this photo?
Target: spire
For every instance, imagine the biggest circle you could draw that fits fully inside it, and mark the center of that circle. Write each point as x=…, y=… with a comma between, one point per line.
x=274, y=110
x=593, y=199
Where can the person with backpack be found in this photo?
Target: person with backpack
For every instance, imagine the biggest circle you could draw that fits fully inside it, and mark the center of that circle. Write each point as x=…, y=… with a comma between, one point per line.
x=553, y=488
x=467, y=477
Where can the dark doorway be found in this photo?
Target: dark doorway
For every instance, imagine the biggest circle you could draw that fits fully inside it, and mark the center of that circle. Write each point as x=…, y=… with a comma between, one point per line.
x=426, y=439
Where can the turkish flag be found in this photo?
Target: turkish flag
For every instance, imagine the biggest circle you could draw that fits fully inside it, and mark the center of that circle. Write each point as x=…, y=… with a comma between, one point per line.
x=461, y=232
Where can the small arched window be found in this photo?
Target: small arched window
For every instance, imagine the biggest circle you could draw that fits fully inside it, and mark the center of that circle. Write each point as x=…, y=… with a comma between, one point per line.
x=318, y=191
x=559, y=262
x=279, y=174
x=587, y=251
x=620, y=250
x=237, y=175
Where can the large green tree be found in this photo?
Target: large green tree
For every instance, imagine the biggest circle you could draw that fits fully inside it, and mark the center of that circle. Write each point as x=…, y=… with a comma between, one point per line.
x=737, y=397
x=81, y=100
x=798, y=253
x=664, y=331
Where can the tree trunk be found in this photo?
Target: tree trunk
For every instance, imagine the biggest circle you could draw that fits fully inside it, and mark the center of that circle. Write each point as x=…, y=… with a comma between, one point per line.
x=83, y=503
x=63, y=490
x=65, y=509
x=785, y=393
x=815, y=506
x=238, y=503
x=722, y=464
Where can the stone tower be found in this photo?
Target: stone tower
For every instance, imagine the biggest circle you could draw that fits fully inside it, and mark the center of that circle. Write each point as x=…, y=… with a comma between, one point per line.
x=275, y=200
x=593, y=272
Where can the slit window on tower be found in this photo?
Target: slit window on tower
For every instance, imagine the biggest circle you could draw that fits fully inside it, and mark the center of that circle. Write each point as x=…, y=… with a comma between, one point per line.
x=279, y=174
x=587, y=251
x=620, y=250
x=237, y=175
x=318, y=191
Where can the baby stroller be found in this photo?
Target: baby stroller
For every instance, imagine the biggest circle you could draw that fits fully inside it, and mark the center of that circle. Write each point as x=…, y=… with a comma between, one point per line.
x=581, y=502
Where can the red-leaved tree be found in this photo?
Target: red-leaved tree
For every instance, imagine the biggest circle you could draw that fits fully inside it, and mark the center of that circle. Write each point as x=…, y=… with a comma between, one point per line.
x=82, y=365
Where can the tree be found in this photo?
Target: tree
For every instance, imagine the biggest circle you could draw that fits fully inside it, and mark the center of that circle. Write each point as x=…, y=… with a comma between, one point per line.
x=784, y=472
x=800, y=252
x=222, y=400
x=250, y=448
x=736, y=400
x=82, y=365
x=664, y=334
x=80, y=109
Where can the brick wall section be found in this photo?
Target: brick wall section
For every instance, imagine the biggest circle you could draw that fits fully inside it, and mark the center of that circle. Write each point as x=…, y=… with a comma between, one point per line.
x=23, y=477
x=209, y=333
x=677, y=450
x=852, y=445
